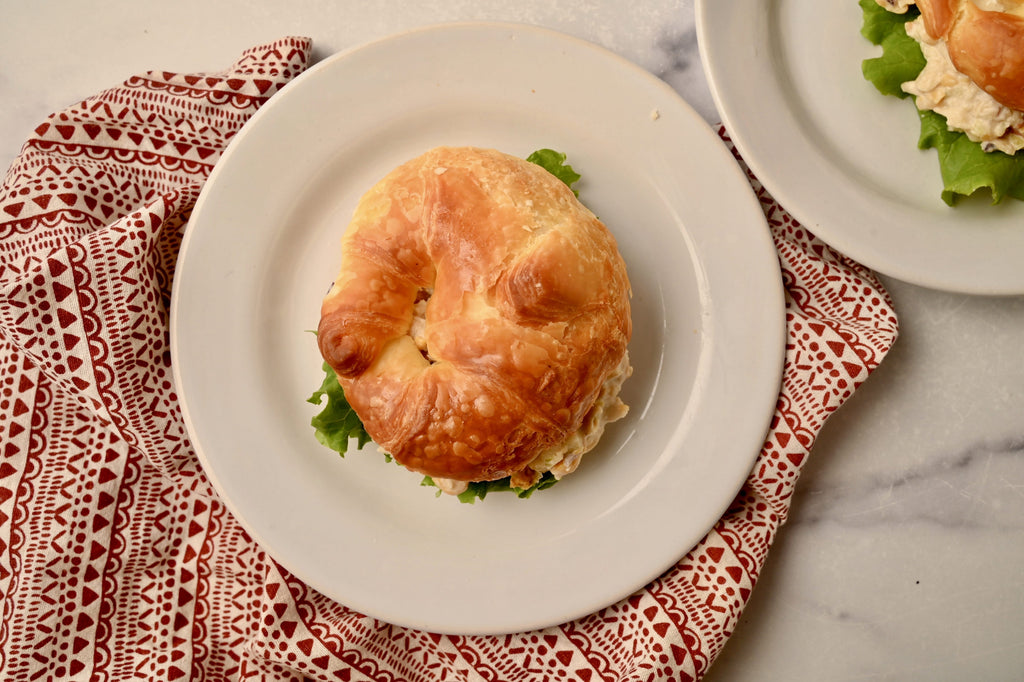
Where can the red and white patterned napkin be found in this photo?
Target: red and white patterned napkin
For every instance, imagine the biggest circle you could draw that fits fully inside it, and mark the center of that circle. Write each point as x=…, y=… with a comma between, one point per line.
x=118, y=560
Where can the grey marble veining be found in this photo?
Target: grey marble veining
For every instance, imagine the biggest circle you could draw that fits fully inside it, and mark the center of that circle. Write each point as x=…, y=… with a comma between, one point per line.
x=682, y=68
x=903, y=557
x=979, y=488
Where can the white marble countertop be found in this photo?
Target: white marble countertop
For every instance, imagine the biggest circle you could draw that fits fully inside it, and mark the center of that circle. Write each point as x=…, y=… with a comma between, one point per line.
x=903, y=558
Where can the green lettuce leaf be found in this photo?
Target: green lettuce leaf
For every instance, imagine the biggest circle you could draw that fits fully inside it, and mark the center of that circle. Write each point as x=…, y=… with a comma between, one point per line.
x=337, y=423
x=964, y=166
x=480, y=489
x=554, y=163
x=901, y=58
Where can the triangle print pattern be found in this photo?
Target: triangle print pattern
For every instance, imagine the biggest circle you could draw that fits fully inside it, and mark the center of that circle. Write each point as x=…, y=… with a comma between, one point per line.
x=111, y=539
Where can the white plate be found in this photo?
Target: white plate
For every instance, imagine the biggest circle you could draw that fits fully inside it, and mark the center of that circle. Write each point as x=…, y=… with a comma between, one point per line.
x=840, y=156
x=708, y=345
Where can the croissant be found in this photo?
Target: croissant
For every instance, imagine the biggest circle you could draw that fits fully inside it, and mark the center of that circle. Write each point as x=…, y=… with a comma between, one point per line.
x=986, y=45
x=479, y=311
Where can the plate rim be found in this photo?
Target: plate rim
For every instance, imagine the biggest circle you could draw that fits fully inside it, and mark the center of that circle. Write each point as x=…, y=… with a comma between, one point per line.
x=788, y=186
x=181, y=382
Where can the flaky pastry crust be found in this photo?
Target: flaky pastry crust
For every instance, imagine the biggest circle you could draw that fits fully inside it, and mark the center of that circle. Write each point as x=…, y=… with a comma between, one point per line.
x=986, y=45
x=528, y=312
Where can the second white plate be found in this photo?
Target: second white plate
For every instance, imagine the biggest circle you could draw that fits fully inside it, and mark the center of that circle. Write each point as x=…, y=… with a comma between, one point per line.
x=708, y=346
x=841, y=157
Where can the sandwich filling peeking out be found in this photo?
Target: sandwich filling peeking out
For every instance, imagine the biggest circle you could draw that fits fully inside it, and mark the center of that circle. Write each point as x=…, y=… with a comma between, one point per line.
x=962, y=63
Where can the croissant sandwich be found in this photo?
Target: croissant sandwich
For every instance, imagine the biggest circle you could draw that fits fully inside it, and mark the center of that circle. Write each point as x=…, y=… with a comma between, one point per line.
x=973, y=70
x=479, y=322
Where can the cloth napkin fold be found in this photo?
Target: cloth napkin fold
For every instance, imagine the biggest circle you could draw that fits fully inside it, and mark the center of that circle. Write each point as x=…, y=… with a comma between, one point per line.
x=118, y=560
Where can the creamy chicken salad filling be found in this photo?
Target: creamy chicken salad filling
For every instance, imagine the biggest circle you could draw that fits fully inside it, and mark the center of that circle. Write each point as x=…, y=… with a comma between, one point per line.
x=942, y=89
x=562, y=458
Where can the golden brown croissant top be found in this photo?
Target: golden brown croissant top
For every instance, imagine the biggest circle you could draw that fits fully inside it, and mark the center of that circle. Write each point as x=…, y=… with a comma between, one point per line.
x=528, y=312
x=986, y=45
